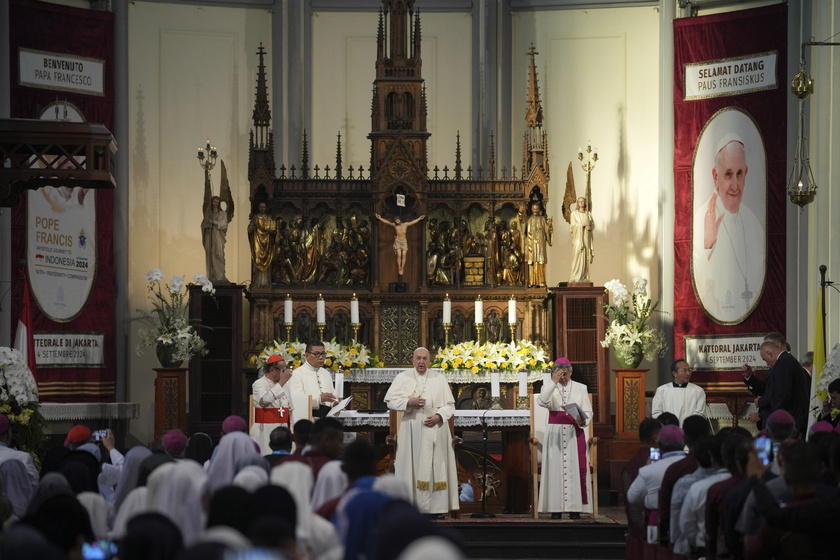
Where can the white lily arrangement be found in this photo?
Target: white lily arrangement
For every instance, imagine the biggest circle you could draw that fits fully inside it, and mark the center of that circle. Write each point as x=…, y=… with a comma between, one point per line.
x=167, y=323
x=502, y=356
x=19, y=402
x=628, y=314
x=339, y=356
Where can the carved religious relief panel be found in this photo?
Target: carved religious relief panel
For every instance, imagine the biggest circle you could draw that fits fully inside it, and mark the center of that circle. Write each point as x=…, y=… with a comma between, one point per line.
x=400, y=327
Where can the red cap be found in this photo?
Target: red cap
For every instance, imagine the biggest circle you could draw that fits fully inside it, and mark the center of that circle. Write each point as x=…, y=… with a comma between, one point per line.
x=78, y=434
x=274, y=358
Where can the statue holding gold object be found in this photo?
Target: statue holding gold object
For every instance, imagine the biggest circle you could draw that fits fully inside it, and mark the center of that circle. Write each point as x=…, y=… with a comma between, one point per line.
x=215, y=224
x=576, y=211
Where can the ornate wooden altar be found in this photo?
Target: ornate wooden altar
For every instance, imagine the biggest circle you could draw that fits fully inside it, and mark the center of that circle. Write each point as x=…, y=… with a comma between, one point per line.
x=464, y=232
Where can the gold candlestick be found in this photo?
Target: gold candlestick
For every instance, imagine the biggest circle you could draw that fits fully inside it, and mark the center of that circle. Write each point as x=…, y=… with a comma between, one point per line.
x=355, y=327
x=288, y=331
x=321, y=327
x=512, y=327
x=479, y=328
x=522, y=403
x=446, y=328
x=496, y=403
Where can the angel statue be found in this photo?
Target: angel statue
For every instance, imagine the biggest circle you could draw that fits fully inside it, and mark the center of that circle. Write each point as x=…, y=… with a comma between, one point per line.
x=576, y=212
x=214, y=226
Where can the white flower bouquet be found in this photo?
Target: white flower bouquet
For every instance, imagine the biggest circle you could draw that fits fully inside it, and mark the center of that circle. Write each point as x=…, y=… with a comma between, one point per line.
x=339, y=356
x=502, y=356
x=628, y=314
x=19, y=402
x=167, y=324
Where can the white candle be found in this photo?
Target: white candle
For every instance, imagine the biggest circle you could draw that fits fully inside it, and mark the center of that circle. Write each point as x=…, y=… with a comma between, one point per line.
x=494, y=384
x=354, y=310
x=320, y=310
x=287, y=310
x=447, y=310
x=479, y=311
x=511, y=310
x=339, y=384
x=523, y=383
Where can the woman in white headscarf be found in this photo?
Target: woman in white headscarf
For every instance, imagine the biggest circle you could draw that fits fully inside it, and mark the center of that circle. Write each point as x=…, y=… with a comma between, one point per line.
x=250, y=478
x=316, y=533
x=223, y=463
x=180, y=497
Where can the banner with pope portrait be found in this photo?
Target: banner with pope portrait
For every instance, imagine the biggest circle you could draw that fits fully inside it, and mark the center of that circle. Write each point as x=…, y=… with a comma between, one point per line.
x=729, y=181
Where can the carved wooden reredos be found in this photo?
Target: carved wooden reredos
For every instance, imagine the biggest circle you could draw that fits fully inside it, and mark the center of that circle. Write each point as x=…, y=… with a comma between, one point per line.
x=328, y=241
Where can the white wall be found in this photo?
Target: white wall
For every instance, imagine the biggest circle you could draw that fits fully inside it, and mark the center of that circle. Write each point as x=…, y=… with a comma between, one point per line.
x=191, y=76
x=598, y=79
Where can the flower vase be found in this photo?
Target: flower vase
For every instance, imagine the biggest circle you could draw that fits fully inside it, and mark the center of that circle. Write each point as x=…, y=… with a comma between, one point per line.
x=633, y=361
x=166, y=355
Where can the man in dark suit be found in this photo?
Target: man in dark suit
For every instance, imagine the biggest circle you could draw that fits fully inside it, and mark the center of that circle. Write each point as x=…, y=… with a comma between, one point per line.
x=784, y=386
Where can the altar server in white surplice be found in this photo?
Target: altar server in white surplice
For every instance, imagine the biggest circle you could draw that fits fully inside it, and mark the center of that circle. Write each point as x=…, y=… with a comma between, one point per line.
x=679, y=397
x=271, y=402
x=565, y=484
x=425, y=458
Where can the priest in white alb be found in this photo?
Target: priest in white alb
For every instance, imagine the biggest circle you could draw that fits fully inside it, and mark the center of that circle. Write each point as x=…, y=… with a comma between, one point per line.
x=565, y=483
x=271, y=402
x=679, y=397
x=312, y=380
x=425, y=458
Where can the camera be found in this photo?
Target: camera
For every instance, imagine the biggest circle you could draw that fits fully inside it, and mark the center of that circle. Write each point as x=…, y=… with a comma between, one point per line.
x=654, y=454
x=764, y=449
x=99, y=435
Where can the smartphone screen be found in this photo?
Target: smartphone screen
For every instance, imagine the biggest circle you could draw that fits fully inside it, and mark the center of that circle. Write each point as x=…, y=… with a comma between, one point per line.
x=764, y=449
x=654, y=454
x=99, y=550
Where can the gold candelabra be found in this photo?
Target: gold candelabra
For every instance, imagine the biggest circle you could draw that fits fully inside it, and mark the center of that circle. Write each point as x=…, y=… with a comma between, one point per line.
x=522, y=403
x=479, y=329
x=355, y=327
x=512, y=327
x=588, y=164
x=446, y=328
x=321, y=328
x=207, y=157
x=288, y=330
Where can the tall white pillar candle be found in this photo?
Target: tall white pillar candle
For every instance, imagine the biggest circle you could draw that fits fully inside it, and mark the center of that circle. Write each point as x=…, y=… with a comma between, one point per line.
x=320, y=310
x=354, y=310
x=479, y=311
x=511, y=310
x=287, y=310
x=447, y=310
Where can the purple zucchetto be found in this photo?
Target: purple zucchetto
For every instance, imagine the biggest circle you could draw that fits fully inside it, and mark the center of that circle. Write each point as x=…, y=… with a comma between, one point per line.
x=671, y=434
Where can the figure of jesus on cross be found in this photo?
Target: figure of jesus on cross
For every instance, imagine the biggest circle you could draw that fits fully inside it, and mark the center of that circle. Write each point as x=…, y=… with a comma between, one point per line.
x=400, y=239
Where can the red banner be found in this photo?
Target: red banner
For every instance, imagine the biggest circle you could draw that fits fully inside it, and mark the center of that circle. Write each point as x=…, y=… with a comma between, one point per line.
x=729, y=182
x=62, y=68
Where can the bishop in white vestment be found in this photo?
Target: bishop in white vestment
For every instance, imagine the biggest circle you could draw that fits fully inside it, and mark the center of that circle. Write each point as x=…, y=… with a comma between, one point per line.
x=425, y=458
x=565, y=483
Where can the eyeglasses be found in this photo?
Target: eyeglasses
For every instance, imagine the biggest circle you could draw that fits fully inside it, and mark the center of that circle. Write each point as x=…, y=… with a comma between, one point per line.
x=319, y=354
x=683, y=369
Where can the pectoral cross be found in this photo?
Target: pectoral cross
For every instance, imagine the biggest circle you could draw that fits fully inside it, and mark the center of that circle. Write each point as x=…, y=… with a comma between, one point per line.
x=746, y=295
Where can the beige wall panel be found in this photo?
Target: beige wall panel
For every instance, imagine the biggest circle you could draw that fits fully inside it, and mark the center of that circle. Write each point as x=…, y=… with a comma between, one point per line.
x=191, y=76
x=598, y=73
x=341, y=98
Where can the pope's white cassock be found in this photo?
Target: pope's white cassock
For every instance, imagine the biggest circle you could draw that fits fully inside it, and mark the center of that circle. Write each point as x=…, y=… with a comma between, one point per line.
x=680, y=401
x=729, y=277
x=269, y=399
x=565, y=482
x=425, y=457
x=307, y=380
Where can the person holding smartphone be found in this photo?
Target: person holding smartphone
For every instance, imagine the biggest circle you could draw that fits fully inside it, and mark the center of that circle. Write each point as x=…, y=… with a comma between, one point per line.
x=645, y=489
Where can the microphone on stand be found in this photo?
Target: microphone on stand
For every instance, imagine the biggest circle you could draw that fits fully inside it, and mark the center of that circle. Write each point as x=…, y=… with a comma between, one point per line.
x=483, y=514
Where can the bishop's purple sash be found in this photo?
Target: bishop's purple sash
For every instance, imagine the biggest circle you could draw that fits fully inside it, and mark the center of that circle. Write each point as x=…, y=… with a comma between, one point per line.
x=562, y=417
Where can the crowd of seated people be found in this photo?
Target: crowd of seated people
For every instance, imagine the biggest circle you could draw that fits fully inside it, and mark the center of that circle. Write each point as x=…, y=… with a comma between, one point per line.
x=732, y=496
x=186, y=498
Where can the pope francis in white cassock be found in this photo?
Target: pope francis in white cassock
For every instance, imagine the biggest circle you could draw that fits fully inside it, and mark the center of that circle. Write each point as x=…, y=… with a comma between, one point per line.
x=565, y=483
x=425, y=458
x=728, y=245
x=271, y=402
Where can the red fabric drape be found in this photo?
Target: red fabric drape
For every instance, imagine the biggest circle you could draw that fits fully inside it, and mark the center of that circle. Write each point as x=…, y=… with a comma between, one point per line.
x=707, y=38
x=88, y=33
